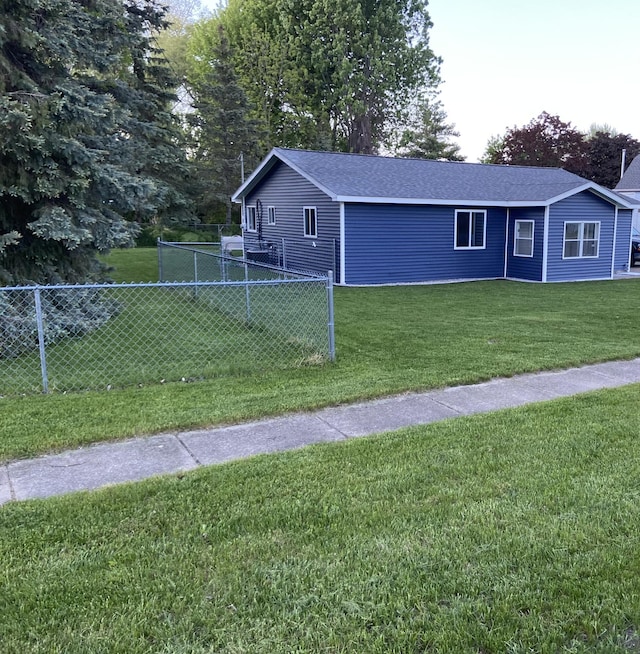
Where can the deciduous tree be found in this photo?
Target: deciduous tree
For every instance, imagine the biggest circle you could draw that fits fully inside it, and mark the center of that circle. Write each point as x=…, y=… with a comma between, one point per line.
x=330, y=74
x=548, y=141
x=545, y=141
x=605, y=156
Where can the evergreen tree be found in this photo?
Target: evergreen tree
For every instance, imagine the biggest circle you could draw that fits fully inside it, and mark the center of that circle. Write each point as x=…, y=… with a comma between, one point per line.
x=87, y=143
x=429, y=136
x=222, y=128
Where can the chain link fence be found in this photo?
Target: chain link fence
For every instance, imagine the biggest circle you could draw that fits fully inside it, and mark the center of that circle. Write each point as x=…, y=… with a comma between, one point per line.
x=231, y=317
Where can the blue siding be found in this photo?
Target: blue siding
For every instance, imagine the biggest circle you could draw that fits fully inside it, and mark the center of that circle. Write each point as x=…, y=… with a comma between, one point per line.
x=289, y=192
x=403, y=244
x=529, y=268
x=583, y=206
x=623, y=240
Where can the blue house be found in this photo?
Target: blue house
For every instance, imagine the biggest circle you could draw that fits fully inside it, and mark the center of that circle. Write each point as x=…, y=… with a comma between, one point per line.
x=380, y=220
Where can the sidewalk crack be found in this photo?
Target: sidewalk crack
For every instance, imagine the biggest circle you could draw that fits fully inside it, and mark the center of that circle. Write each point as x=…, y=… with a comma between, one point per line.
x=188, y=450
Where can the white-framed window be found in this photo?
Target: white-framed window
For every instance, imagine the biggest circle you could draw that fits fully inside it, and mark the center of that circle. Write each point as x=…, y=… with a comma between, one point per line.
x=310, y=221
x=523, y=238
x=271, y=215
x=470, y=229
x=250, y=221
x=581, y=240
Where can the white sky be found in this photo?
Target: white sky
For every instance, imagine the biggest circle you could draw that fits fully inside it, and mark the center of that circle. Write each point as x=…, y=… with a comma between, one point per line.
x=506, y=61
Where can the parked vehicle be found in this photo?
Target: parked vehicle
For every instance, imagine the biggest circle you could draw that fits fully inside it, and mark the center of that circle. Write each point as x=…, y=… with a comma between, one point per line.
x=635, y=247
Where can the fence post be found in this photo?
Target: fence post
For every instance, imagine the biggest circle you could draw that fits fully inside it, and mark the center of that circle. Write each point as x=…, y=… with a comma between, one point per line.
x=160, y=270
x=195, y=273
x=246, y=291
x=40, y=324
x=330, y=324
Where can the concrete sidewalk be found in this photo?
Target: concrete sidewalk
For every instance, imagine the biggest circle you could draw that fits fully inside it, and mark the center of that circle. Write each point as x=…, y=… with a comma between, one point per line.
x=139, y=458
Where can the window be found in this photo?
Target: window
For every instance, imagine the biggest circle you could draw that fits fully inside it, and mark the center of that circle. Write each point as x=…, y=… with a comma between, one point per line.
x=523, y=239
x=471, y=227
x=271, y=215
x=310, y=222
x=581, y=240
x=251, y=219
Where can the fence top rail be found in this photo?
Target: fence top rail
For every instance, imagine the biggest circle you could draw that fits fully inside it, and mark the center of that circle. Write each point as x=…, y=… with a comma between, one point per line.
x=254, y=282
x=254, y=264
x=189, y=245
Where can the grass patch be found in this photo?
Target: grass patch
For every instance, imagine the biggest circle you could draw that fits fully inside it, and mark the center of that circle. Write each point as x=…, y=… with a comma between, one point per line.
x=514, y=531
x=389, y=340
x=172, y=334
x=132, y=265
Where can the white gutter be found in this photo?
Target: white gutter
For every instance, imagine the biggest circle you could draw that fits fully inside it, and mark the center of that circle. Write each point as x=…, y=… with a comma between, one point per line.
x=615, y=234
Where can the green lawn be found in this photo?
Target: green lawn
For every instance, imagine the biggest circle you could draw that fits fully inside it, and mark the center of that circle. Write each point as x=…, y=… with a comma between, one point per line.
x=514, y=531
x=388, y=340
x=132, y=265
x=510, y=532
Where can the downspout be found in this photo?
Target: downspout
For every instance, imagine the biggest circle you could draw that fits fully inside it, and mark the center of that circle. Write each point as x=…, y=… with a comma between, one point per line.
x=545, y=243
x=615, y=238
x=506, y=244
x=243, y=218
x=343, y=281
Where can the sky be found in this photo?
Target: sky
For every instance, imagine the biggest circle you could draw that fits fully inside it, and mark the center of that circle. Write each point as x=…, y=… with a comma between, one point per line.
x=505, y=62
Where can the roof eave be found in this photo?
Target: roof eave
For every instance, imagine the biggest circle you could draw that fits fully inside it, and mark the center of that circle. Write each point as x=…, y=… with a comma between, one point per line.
x=438, y=202
x=266, y=165
x=588, y=186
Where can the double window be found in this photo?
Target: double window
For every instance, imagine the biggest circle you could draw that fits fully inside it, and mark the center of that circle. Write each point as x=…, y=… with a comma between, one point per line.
x=310, y=221
x=523, y=238
x=471, y=229
x=250, y=217
x=581, y=240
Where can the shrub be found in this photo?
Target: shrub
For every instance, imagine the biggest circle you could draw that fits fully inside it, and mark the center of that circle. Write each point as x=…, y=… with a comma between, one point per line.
x=66, y=312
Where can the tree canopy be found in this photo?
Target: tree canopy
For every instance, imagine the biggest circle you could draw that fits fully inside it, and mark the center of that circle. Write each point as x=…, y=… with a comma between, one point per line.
x=605, y=156
x=544, y=141
x=327, y=74
x=548, y=141
x=88, y=143
x=224, y=134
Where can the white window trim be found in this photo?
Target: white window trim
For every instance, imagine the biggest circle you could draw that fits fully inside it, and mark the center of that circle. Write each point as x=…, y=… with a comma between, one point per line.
x=581, y=239
x=248, y=210
x=515, y=237
x=304, y=221
x=271, y=211
x=484, y=231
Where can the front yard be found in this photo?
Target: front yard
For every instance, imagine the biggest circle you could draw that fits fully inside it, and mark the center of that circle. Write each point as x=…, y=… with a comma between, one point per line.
x=389, y=340
x=509, y=532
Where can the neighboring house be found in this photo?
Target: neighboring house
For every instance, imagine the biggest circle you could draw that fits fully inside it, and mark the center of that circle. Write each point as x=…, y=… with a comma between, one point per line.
x=380, y=220
x=629, y=185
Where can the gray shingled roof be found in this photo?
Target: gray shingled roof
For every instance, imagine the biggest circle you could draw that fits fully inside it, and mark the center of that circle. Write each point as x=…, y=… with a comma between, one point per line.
x=631, y=179
x=353, y=177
